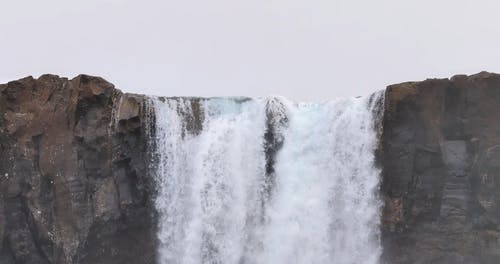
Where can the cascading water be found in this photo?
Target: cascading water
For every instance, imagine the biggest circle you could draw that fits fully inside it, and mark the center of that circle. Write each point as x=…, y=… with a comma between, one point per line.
x=266, y=180
x=325, y=208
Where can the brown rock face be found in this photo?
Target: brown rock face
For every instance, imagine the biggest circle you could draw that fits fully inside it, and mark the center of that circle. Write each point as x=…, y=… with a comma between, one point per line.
x=73, y=187
x=441, y=173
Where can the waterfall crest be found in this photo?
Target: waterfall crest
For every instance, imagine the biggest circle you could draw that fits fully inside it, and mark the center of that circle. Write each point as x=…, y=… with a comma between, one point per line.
x=265, y=180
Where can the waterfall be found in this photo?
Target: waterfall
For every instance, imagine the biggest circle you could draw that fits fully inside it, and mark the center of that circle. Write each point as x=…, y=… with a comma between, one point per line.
x=265, y=180
x=325, y=208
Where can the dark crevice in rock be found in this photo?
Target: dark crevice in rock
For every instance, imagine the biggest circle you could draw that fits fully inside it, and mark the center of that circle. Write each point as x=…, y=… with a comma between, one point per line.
x=276, y=123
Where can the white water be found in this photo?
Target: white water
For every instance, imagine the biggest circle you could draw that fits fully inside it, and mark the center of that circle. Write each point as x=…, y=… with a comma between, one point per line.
x=212, y=201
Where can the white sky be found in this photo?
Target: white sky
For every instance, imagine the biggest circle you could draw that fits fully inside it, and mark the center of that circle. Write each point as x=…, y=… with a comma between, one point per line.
x=308, y=49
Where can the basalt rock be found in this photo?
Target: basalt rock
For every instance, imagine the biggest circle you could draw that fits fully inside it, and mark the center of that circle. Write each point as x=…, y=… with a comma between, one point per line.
x=441, y=171
x=72, y=184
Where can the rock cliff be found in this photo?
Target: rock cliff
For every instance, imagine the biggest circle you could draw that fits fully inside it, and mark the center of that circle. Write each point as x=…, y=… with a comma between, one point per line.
x=72, y=183
x=440, y=154
x=74, y=186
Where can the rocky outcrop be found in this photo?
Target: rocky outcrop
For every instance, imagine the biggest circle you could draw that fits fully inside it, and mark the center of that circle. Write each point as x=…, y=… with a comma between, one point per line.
x=74, y=186
x=440, y=152
x=72, y=183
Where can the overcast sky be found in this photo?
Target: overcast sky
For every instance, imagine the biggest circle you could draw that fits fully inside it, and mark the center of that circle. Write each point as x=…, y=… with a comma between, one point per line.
x=305, y=50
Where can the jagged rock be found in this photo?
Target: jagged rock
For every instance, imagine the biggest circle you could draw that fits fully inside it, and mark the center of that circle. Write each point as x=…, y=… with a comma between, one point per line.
x=72, y=184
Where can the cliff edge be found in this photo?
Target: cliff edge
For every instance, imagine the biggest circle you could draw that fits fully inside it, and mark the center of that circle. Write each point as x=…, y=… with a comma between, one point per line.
x=440, y=153
x=74, y=186
x=72, y=182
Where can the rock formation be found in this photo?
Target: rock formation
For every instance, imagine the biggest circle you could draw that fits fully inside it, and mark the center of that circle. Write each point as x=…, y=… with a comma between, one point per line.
x=72, y=183
x=440, y=154
x=74, y=186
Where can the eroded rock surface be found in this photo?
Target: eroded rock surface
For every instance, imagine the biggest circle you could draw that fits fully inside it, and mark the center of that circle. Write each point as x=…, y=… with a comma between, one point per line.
x=74, y=186
x=441, y=179
x=72, y=183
